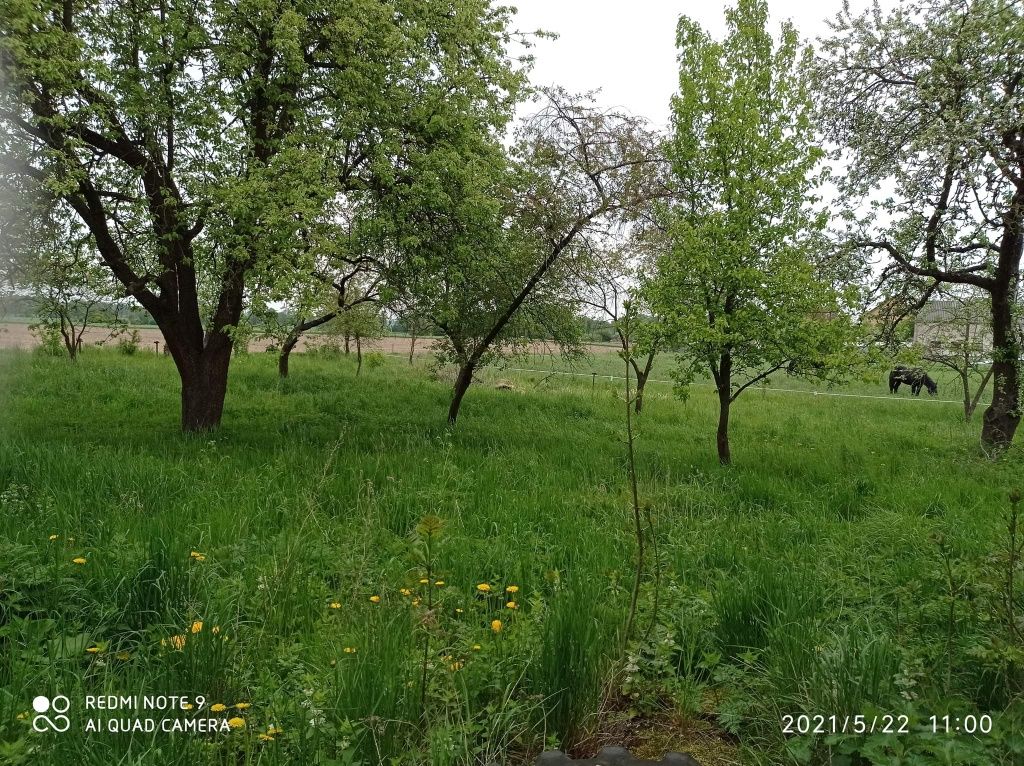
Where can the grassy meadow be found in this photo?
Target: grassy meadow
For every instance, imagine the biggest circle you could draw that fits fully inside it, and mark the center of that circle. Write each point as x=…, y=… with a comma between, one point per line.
x=315, y=568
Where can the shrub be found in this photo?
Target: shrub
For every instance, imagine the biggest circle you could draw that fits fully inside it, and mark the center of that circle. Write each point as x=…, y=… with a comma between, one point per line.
x=50, y=341
x=129, y=344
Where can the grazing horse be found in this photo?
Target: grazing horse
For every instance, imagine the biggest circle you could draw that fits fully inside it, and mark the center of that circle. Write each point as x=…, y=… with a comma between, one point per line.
x=915, y=377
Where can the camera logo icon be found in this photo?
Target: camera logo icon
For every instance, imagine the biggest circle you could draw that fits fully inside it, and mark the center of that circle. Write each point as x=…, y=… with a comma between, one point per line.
x=59, y=705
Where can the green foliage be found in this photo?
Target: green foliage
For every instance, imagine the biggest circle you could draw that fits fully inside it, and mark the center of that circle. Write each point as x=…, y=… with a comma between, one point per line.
x=741, y=280
x=923, y=100
x=50, y=341
x=744, y=290
x=363, y=322
x=232, y=139
x=492, y=241
x=128, y=344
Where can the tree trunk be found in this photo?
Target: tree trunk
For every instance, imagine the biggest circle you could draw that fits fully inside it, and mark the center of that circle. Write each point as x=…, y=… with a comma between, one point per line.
x=359, y=355
x=965, y=383
x=723, y=382
x=347, y=340
x=286, y=352
x=462, y=382
x=641, y=379
x=1000, y=421
x=70, y=341
x=638, y=401
x=412, y=346
x=724, y=456
x=204, y=384
x=973, y=404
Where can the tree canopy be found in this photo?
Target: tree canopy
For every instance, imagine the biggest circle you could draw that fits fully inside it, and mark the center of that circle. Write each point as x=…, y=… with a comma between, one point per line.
x=926, y=101
x=739, y=290
x=194, y=139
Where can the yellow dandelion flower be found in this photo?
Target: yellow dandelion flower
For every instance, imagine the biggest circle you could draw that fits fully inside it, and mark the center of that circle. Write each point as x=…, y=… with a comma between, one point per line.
x=94, y=650
x=483, y=587
x=455, y=666
x=177, y=642
x=424, y=581
x=242, y=706
x=496, y=626
x=218, y=707
x=512, y=589
x=439, y=583
x=405, y=592
x=265, y=738
x=215, y=629
x=53, y=537
x=123, y=656
x=236, y=723
x=458, y=610
x=197, y=626
x=21, y=716
x=415, y=602
x=476, y=647
x=273, y=731
x=188, y=706
x=78, y=560
x=512, y=605
x=334, y=605
x=197, y=556
x=350, y=650
x=374, y=599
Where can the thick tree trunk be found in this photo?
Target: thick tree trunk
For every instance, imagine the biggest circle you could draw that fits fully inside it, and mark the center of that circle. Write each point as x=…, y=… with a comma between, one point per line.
x=465, y=377
x=1000, y=420
x=359, y=355
x=286, y=352
x=348, y=339
x=204, y=384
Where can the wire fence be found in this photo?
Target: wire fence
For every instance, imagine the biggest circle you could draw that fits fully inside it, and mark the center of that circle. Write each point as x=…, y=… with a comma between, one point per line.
x=594, y=376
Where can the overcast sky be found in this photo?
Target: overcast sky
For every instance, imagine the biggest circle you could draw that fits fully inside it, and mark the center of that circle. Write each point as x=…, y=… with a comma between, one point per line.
x=627, y=49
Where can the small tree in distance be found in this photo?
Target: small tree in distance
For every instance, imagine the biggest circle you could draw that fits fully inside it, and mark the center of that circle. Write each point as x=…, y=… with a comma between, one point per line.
x=962, y=344
x=360, y=323
x=739, y=290
x=71, y=291
x=608, y=282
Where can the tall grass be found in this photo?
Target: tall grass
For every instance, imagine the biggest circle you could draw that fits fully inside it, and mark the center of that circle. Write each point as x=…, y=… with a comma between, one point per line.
x=806, y=576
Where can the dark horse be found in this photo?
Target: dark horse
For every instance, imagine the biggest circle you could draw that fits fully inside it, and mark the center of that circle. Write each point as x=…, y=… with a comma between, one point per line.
x=915, y=377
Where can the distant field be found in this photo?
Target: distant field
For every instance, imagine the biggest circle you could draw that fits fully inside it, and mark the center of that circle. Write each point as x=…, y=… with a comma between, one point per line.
x=852, y=561
x=16, y=335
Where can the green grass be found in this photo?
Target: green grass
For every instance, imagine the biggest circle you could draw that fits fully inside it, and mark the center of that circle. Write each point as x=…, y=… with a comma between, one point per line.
x=809, y=577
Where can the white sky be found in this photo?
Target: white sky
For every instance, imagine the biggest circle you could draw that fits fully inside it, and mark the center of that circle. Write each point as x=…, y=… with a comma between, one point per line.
x=627, y=49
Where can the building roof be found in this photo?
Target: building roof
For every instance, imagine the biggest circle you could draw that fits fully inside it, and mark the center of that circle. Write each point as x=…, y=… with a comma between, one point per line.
x=946, y=310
